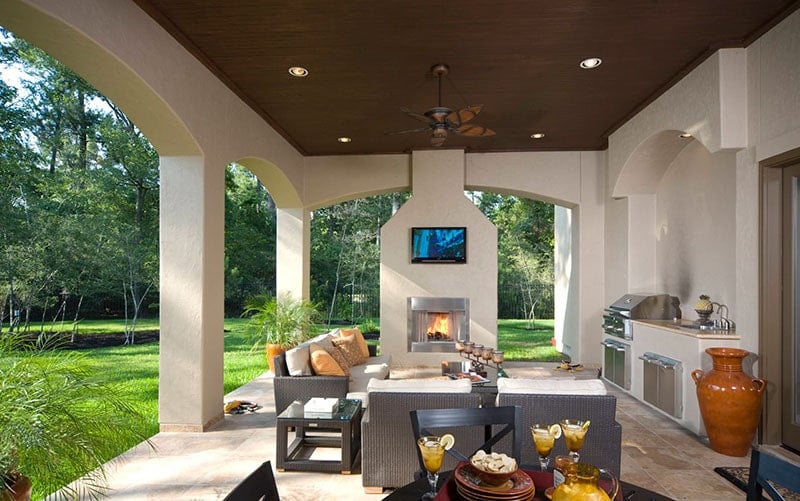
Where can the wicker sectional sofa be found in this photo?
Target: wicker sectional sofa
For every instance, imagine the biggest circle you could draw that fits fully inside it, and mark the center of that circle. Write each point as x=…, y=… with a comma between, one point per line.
x=289, y=388
x=388, y=453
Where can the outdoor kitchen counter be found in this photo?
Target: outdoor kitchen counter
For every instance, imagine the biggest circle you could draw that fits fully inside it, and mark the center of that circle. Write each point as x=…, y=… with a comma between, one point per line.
x=669, y=339
x=683, y=328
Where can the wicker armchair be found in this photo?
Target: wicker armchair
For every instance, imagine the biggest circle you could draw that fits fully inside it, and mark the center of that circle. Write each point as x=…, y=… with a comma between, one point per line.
x=388, y=446
x=603, y=444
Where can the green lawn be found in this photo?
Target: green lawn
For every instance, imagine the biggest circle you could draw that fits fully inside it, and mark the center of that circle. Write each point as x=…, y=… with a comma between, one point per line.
x=518, y=342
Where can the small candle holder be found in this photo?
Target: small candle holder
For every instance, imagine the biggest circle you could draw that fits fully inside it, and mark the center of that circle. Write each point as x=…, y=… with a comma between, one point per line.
x=481, y=356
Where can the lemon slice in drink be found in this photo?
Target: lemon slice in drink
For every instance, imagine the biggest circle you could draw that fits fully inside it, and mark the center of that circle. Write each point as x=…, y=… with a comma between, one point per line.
x=447, y=440
x=586, y=425
x=555, y=430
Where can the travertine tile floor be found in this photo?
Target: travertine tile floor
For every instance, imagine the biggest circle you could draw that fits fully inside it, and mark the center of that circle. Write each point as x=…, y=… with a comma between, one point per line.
x=657, y=454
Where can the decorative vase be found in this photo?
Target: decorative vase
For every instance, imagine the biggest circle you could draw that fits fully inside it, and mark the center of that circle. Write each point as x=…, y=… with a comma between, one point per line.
x=730, y=401
x=273, y=350
x=21, y=490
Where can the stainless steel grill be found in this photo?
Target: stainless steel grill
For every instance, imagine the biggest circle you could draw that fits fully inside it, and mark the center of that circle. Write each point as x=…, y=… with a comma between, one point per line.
x=617, y=317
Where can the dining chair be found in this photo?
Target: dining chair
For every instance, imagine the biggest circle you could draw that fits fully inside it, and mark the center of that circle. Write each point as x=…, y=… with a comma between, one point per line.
x=258, y=486
x=425, y=421
x=767, y=472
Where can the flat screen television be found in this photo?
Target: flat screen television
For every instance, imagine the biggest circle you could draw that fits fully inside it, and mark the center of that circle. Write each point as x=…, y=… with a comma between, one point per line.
x=439, y=245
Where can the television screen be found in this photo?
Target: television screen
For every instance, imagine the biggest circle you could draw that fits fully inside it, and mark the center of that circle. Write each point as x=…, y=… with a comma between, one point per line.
x=438, y=245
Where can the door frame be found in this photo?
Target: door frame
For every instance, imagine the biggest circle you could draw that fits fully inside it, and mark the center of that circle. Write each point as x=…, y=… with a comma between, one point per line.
x=770, y=293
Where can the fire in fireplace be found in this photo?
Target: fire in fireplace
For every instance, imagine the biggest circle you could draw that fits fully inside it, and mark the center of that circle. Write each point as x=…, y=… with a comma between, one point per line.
x=439, y=327
x=434, y=323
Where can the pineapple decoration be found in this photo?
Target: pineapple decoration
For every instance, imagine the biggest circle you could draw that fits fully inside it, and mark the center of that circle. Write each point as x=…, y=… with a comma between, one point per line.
x=704, y=307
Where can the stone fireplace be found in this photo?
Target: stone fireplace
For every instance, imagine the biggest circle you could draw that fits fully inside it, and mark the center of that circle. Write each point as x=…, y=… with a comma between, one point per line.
x=435, y=323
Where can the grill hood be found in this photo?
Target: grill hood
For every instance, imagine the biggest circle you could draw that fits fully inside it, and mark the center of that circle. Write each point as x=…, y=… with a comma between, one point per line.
x=647, y=306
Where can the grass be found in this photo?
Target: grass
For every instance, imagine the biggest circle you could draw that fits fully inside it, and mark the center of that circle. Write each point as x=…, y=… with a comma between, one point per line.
x=520, y=343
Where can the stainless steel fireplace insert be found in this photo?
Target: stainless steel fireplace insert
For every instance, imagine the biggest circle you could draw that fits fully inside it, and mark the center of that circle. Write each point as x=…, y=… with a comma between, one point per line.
x=435, y=323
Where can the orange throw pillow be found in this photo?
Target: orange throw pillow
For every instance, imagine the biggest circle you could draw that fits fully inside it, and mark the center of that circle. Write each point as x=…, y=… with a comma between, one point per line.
x=323, y=363
x=349, y=347
x=356, y=332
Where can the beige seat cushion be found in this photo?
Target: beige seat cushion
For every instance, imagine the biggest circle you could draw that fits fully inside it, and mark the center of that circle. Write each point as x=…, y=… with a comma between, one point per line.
x=420, y=385
x=552, y=386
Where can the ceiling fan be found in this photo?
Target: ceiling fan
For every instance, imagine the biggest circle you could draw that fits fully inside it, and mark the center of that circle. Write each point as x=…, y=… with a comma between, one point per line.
x=441, y=121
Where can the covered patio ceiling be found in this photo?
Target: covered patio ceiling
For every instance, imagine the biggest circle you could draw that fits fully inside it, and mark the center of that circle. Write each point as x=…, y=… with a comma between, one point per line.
x=518, y=58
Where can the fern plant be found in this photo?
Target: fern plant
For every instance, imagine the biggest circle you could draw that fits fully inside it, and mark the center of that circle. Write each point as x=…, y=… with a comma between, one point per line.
x=60, y=423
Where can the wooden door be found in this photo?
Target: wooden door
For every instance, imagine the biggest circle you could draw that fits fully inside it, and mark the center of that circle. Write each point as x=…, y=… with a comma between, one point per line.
x=790, y=335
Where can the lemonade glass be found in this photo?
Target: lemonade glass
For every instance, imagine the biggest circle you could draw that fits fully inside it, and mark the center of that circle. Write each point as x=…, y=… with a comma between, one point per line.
x=432, y=449
x=574, y=433
x=544, y=438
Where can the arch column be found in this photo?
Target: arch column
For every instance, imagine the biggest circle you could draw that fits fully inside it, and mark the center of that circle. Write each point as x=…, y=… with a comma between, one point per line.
x=293, y=252
x=192, y=220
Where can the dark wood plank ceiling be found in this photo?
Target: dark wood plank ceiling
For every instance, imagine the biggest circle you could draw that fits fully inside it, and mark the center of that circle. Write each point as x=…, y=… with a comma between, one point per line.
x=519, y=58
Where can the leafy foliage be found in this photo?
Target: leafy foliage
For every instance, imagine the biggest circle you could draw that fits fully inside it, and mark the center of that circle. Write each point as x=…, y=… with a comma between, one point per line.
x=282, y=320
x=60, y=421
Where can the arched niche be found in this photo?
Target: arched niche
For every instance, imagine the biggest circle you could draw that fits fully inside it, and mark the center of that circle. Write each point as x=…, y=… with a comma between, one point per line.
x=647, y=164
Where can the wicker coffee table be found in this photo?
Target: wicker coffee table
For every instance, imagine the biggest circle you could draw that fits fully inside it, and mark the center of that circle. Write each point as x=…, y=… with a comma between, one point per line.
x=342, y=429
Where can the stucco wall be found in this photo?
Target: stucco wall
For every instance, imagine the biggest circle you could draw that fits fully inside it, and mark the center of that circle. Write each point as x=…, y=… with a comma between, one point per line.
x=438, y=200
x=755, y=125
x=696, y=228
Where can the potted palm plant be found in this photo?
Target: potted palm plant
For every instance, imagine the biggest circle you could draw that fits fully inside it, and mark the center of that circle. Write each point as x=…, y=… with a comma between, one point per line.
x=59, y=423
x=278, y=323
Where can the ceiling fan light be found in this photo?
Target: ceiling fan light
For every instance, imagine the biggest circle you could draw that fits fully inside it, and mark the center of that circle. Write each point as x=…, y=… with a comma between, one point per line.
x=537, y=135
x=440, y=132
x=591, y=63
x=344, y=139
x=298, y=71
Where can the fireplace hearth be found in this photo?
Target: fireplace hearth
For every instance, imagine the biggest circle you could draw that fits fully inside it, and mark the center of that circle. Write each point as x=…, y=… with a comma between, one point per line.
x=435, y=323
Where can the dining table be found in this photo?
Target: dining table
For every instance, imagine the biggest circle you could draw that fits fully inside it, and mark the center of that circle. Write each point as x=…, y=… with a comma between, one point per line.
x=542, y=480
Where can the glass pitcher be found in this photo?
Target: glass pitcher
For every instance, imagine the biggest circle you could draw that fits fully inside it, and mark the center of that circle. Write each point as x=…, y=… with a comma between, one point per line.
x=581, y=484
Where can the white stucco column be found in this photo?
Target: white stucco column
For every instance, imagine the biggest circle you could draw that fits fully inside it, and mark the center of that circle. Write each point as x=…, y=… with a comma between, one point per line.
x=192, y=236
x=566, y=309
x=293, y=252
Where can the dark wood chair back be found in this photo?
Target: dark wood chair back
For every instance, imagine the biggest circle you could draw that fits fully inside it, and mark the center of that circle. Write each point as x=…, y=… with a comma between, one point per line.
x=497, y=422
x=258, y=486
x=766, y=471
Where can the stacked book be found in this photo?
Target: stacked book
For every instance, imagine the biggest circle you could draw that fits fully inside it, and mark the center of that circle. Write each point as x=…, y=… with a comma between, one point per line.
x=318, y=407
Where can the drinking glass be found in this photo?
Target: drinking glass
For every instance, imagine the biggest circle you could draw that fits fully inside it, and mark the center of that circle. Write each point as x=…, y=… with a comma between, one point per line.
x=574, y=433
x=432, y=450
x=544, y=439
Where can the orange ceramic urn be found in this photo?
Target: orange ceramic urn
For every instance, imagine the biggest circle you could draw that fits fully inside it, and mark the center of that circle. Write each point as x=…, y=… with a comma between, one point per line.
x=730, y=402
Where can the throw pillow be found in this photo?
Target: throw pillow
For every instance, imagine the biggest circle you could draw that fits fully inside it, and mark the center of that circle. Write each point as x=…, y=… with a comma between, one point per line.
x=323, y=363
x=340, y=359
x=298, y=361
x=350, y=349
x=356, y=333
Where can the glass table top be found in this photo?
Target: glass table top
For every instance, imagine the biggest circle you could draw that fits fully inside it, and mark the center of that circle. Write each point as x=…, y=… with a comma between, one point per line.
x=344, y=411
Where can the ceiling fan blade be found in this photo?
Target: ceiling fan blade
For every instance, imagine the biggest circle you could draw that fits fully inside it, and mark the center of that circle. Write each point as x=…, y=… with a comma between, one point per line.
x=418, y=116
x=472, y=130
x=459, y=117
x=421, y=129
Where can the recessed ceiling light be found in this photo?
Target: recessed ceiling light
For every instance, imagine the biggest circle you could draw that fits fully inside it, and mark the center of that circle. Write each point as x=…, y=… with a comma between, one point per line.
x=590, y=63
x=344, y=139
x=537, y=135
x=685, y=135
x=298, y=71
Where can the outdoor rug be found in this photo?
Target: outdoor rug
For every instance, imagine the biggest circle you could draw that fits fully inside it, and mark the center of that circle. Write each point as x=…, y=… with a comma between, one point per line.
x=739, y=475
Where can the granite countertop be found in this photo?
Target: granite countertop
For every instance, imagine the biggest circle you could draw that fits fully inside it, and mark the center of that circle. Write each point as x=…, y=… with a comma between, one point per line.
x=684, y=328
